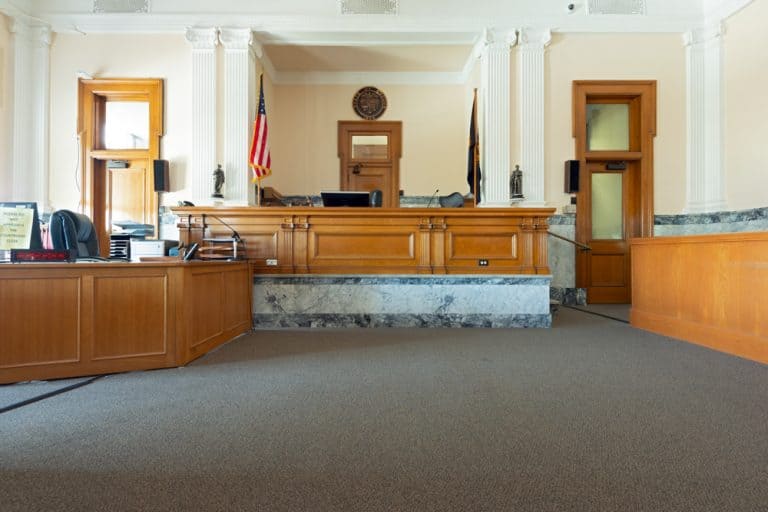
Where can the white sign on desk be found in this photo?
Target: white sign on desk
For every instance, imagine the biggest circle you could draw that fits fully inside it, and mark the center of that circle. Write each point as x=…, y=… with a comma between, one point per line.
x=15, y=227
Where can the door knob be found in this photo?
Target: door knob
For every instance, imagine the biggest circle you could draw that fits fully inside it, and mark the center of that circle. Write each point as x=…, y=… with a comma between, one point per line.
x=356, y=169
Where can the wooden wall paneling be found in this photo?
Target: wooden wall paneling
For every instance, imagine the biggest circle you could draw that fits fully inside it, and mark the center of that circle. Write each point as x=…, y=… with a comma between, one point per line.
x=424, y=262
x=704, y=289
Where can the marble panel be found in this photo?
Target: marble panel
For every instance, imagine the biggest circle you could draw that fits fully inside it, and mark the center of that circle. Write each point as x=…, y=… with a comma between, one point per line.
x=388, y=301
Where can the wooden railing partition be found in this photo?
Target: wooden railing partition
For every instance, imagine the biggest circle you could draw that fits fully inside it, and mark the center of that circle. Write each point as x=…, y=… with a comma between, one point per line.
x=706, y=289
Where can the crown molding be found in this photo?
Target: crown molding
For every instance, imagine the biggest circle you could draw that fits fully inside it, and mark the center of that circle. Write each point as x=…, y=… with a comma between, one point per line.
x=718, y=10
x=362, y=78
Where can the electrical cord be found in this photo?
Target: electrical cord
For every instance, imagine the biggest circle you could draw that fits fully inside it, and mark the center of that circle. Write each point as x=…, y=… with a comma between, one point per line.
x=596, y=314
x=49, y=394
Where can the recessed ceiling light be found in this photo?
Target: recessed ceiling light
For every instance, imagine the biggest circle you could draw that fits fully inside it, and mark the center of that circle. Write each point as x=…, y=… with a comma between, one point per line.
x=120, y=6
x=616, y=7
x=368, y=6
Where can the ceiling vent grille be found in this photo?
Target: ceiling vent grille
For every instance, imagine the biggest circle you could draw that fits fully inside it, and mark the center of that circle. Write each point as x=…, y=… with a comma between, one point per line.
x=120, y=6
x=627, y=7
x=368, y=6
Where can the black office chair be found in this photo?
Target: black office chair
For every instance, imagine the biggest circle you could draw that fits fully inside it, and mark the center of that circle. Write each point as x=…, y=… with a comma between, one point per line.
x=455, y=200
x=75, y=233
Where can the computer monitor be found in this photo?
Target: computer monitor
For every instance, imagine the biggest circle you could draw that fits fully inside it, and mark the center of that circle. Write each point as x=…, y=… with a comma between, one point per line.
x=345, y=198
x=35, y=240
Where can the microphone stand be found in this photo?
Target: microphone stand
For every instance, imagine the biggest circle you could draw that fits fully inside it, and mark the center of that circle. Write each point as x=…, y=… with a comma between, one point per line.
x=433, y=197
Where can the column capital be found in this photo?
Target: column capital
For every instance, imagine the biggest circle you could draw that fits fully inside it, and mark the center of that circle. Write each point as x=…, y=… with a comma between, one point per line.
x=534, y=38
x=203, y=38
x=32, y=33
x=235, y=38
x=496, y=39
x=703, y=35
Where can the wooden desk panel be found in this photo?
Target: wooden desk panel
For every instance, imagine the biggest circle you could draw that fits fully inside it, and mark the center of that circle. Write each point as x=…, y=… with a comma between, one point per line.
x=75, y=319
x=380, y=240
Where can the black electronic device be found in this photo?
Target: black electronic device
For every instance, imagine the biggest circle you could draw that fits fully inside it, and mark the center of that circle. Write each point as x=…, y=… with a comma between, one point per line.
x=39, y=255
x=162, y=179
x=35, y=240
x=571, y=176
x=346, y=198
x=432, y=197
x=186, y=203
x=191, y=252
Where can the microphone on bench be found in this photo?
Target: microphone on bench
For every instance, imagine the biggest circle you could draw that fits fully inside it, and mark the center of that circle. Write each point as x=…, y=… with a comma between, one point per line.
x=433, y=197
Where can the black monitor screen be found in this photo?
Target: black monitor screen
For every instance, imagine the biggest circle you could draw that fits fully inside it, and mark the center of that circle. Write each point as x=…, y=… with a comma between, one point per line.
x=345, y=198
x=35, y=240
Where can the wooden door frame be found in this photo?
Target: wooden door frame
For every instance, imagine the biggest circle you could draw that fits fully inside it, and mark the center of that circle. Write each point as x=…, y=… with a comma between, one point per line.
x=92, y=97
x=395, y=148
x=641, y=150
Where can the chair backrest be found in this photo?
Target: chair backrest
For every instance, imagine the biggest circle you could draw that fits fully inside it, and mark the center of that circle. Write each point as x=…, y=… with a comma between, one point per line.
x=74, y=232
x=455, y=200
x=375, y=197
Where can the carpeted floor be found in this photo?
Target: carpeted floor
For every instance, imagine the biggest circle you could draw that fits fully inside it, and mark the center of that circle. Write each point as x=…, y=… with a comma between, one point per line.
x=591, y=415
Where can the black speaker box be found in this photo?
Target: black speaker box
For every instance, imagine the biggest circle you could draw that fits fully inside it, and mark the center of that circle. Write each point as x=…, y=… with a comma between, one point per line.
x=162, y=183
x=571, y=176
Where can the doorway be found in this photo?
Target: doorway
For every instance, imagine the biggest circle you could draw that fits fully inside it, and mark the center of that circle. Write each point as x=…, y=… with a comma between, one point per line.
x=120, y=122
x=369, y=153
x=614, y=126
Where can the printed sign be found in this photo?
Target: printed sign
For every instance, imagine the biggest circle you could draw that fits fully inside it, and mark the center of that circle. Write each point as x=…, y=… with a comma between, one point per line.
x=15, y=227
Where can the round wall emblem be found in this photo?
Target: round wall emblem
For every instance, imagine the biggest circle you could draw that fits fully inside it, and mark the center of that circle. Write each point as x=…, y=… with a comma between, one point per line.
x=369, y=103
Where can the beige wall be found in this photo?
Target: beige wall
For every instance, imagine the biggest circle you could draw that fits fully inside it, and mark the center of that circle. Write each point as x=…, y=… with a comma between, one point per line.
x=303, y=132
x=659, y=57
x=6, y=101
x=746, y=107
x=117, y=56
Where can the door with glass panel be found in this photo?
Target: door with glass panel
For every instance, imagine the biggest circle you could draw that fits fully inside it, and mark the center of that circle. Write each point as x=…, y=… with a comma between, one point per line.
x=369, y=154
x=120, y=123
x=614, y=126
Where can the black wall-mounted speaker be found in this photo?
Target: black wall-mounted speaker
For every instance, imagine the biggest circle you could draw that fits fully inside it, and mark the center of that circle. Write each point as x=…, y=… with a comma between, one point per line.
x=162, y=182
x=571, y=176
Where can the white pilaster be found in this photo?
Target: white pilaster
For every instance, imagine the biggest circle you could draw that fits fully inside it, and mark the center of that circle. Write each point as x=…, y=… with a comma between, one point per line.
x=531, y=48
x=237, y=114
x=705, y=173
x=495, y=118
x=31, y=84
x=203, y=148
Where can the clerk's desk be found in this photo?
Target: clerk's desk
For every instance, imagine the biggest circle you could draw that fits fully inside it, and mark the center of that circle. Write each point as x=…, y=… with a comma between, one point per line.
x=73, y=319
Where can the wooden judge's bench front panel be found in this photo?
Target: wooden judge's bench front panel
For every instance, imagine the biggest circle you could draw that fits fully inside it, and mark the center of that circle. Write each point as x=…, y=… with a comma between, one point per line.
x=307, y=240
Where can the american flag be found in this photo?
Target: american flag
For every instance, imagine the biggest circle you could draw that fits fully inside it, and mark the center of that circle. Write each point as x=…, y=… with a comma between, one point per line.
x=260, y=160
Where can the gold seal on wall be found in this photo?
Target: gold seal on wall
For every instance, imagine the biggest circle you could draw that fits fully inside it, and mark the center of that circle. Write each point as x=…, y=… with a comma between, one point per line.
x=369, y=103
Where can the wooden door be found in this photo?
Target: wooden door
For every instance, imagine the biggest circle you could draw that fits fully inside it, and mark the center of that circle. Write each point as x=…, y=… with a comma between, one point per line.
x=113, y=193
x=369, y=153
x=614, y=126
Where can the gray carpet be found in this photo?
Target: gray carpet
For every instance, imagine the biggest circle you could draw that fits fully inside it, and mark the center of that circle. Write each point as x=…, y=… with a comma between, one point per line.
x=591, y=415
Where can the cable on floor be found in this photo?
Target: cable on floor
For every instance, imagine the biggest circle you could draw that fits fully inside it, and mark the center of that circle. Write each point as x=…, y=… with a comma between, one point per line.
x=34, y=399
x=596, y=314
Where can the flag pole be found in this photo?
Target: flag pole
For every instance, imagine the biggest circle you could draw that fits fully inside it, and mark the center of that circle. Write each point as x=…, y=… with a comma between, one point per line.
x=258, y=193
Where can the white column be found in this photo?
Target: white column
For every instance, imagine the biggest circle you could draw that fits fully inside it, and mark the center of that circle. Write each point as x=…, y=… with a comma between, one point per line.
x=495, y=118
x=202, y=160
x=531, y=47
x=238, y=85
x=31, y=85
x=705, y=173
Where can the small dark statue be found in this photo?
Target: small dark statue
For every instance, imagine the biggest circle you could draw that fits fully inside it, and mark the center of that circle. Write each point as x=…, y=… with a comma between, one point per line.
x=516, y=183
x=218, y=181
